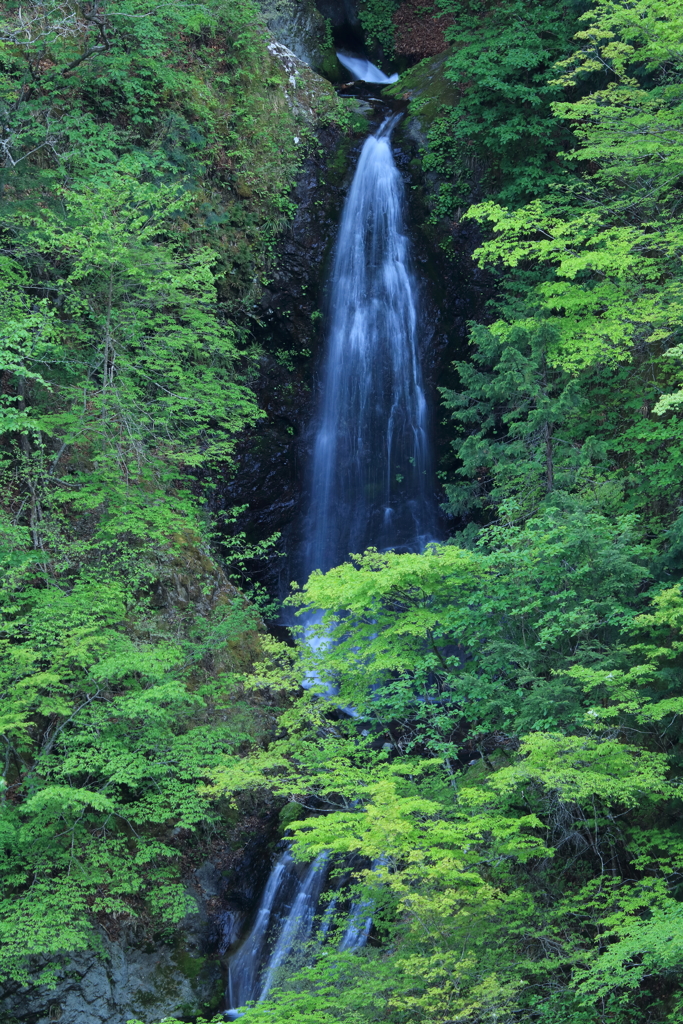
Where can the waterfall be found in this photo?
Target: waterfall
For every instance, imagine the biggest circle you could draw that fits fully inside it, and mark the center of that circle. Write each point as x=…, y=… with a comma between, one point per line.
x=369, y=486
x=299, y=921
x=284, y=920
x=363, y=71
x=358, y=927
x=370, y=467
x=244, y=965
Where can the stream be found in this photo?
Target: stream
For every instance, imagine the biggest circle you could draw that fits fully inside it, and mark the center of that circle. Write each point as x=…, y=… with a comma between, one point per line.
x=370, y=485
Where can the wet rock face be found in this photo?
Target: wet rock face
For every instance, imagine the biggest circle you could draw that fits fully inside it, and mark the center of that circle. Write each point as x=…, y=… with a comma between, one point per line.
x=347, y=31
x=128, y=979
x=299, y=25
x=275, y=456
x=339, y=12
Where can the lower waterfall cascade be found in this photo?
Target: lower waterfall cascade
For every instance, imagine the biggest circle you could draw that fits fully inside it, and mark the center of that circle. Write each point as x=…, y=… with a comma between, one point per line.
x=369, y=486
x=284, y=918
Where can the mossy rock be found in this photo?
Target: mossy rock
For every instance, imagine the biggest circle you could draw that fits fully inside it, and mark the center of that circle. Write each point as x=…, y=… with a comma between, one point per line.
x=299, y=25
x=191, y=586
x=427, y=90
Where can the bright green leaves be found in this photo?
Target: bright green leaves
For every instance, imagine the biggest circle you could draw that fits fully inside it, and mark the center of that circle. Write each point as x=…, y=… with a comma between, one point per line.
x=526, y=430
x=641, y=939
x=590, y=273
x=109, y=726
x=455, y=633
x=623, y=37
x=417, y=839
x=552, y=858
x=50, y=916
x=386, y=608
x=156, y=357
x=142, y=198
x=642, y=685
x=583, y=770
x=606, y=293
x=611, y=241
x=124, y=373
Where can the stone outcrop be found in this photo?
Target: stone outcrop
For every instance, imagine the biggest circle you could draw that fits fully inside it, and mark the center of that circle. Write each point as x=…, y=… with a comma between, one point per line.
x=148, y=976
x=299, y=25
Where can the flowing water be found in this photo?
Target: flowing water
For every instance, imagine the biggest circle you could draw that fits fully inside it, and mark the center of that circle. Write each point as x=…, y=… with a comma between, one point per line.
x=243, y=969
x=363, y=71
x=370, y=470
x=369, y=486
x=284, y=920
x=298, y=924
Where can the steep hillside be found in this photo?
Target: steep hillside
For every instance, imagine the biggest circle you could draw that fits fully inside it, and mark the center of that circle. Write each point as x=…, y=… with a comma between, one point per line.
x=477, y=732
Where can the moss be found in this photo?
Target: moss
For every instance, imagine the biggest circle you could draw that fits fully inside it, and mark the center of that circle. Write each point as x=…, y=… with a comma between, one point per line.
x=188, y=965
x=331, y=68
x=198, y=969
x=217, y=998
x=168, y=991
x=426, y=88
x=289, y=813
x=358, y=124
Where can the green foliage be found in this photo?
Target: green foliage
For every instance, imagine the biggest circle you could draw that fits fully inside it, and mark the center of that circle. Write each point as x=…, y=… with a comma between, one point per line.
x=608, y=245
x=528, y=431
x=509, y=409
x=148, y=156
x=477, y=869
x=501, y=131
x=376, y=18
x=106, y=734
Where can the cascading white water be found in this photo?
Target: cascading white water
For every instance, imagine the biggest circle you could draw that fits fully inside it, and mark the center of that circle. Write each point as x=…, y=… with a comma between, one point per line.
x=370, y=471
x=298, y=923
x=244, y=966
x=357, y=928
x=369, y=486
x=284, y=919
x=363, y=71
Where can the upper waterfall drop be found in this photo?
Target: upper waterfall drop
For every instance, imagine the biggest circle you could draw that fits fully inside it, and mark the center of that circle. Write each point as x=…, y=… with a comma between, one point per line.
x=370, y=477
x=363, y=71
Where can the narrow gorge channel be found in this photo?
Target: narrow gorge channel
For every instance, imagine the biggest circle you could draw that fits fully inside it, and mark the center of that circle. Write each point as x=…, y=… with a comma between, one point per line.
x=370, y=486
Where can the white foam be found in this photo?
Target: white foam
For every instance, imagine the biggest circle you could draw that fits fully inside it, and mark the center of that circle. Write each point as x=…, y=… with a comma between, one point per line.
x=363, y=71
